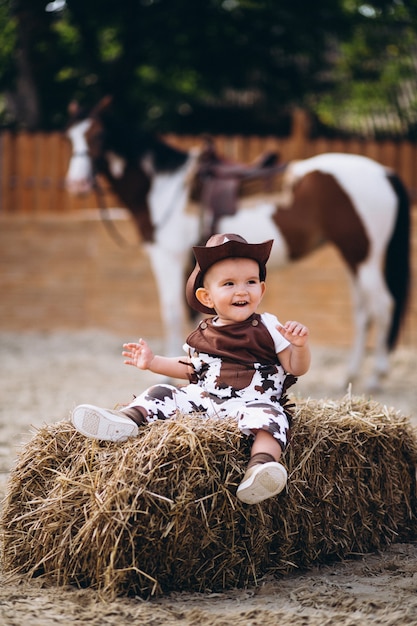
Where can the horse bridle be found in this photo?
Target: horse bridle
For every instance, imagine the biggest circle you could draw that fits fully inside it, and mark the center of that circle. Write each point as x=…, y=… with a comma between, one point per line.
x=104, y=210
x=101, y=202
x=106, y=217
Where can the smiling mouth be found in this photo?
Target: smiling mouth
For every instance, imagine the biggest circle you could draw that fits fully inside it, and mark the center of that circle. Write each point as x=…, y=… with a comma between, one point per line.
x=239, y=304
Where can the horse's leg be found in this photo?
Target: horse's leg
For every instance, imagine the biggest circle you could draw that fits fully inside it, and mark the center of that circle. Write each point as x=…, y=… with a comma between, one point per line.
x=361, y=324
x=372, y=304
x=382, y=304
x=168, y=269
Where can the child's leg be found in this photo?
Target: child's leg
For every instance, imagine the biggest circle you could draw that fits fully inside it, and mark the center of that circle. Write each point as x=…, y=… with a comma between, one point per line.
x=265, y=477
x=264, y=442
x=159, y=402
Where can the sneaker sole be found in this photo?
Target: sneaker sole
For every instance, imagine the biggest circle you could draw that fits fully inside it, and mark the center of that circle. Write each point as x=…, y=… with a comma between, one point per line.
x=267, y=481
x=93, y=422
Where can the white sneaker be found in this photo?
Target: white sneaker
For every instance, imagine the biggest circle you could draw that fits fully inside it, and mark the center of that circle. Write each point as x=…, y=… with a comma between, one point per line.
x=261, y=482
x=103, y=424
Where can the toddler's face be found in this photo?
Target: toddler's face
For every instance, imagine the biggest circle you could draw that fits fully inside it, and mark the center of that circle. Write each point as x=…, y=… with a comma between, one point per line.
x=232, y=287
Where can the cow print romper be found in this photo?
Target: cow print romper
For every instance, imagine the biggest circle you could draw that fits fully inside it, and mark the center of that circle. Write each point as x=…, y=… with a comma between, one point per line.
x=236, y=373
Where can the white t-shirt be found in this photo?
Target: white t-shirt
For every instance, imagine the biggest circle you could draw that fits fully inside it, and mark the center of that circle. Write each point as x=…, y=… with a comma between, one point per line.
x=271, y=322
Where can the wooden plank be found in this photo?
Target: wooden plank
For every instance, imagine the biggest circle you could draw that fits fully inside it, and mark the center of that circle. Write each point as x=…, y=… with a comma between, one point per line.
x=7, y=189
x=44, y=164
x=406, y=163
x=285, y=149
x=59, y=151
x=371, y=150
x=8, y=173
x=25, y=173
x=389, y=154
x=318, y=146
x=354, y=146
x=338, y=145
x=3, y=184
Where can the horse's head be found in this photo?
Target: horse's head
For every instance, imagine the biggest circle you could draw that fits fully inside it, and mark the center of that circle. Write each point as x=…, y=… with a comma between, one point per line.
x=86, y=132
x=104, y=142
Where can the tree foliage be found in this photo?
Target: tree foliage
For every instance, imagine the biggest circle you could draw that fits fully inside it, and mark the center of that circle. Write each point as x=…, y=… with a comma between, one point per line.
x=374, y=91
x=204, y=65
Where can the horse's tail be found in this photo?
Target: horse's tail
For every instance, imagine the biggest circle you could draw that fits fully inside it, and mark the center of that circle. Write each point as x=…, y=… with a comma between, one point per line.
x=397, y=262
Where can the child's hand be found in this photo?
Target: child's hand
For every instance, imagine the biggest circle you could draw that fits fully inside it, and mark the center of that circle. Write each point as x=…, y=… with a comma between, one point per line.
x=295, y=333
x=138, y=354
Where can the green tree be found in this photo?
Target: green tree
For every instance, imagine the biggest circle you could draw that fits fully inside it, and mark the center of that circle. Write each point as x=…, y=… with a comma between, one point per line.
x=374, y=83
x=197, y=65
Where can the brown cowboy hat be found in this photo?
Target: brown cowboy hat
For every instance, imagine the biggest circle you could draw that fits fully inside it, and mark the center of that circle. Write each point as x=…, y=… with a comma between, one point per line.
x=217, y=248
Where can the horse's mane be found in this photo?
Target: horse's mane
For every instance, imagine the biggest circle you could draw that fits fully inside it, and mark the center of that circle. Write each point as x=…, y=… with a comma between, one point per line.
x=125, y=138
x=166, y=157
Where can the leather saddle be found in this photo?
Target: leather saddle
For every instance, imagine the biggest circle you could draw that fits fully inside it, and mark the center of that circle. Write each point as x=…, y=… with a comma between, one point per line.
x=220, y=183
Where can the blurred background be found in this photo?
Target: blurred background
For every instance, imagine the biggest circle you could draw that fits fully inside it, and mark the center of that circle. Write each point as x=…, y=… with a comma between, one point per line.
x=297, y=77
x=218, y=66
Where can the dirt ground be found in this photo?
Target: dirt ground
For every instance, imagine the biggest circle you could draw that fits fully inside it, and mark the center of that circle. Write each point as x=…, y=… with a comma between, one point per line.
x=43, y=376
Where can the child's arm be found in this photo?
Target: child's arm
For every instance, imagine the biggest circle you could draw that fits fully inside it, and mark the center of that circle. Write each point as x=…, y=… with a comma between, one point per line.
x=140, y=355
x=295, y=359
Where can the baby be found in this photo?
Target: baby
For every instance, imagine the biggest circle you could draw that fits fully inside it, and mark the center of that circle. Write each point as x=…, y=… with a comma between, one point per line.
x=237, y=362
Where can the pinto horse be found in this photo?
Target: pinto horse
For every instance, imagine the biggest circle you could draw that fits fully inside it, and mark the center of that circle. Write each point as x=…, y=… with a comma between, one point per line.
x=350, y=201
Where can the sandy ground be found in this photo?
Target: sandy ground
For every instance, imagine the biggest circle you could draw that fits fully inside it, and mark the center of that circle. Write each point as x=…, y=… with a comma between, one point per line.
x=43, y=376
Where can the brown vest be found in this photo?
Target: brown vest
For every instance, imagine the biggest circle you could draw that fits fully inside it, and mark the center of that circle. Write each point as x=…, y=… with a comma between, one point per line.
x=239, y=346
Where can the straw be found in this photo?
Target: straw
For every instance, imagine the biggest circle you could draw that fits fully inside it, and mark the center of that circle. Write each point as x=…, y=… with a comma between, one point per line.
x=158, y=513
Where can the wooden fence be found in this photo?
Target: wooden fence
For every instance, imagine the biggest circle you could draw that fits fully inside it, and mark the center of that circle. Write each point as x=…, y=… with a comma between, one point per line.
x=33, y=166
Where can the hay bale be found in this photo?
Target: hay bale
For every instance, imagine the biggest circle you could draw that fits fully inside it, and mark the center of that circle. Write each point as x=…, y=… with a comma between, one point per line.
x=159, y=513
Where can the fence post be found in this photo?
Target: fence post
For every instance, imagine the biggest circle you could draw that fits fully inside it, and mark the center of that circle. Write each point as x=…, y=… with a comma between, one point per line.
x=1, y=171
x=300, y=133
